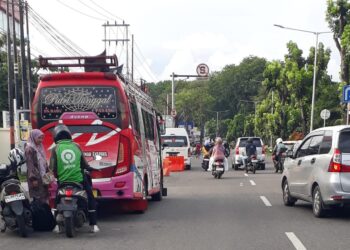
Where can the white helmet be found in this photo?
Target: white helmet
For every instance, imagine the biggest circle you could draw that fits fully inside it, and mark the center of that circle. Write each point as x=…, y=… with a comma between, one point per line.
x=218, y=140
x=279, y=140
x=17, y=157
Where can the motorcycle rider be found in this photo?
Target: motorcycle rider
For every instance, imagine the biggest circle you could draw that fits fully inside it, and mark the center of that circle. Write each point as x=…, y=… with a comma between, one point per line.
x=68, y=164
x=218, y=153
x=250, y=150
x=277, y=151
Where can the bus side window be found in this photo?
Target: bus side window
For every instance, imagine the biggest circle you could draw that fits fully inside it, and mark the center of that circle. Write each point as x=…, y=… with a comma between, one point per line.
x=151, y=126
x=145, y=124
x=135, y=118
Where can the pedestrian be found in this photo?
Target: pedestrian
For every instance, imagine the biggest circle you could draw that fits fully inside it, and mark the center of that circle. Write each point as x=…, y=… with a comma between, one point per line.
x=68, y=164
x=37, y=166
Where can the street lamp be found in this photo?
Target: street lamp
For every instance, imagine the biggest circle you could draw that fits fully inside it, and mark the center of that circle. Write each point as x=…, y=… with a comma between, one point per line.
x=315, y=61
x=217, y=119
x=255, y=103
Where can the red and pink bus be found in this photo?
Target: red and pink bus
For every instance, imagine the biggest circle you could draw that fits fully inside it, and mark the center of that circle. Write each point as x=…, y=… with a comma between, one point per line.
x=107, y=117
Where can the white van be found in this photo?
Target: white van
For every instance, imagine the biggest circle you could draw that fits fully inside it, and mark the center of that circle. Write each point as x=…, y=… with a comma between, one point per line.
x=175, y=141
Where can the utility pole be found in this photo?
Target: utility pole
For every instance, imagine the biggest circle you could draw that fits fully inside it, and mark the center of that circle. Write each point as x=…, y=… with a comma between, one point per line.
x=29, y=59
x=126, y=40
x=15, y=76
x=10, y=78
x=132, y=58
x=23, y=59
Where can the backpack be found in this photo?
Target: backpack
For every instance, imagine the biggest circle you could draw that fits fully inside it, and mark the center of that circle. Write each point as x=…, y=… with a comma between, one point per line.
x=42, y=218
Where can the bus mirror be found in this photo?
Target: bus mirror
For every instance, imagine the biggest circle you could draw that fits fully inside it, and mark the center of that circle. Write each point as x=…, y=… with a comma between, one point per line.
x=162, y=127
x=164, y=145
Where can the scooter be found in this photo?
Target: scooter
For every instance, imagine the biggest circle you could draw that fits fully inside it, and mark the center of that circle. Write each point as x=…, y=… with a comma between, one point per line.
x=205, y=163
x=14, y=201
x=218, y=169
x=72, y=207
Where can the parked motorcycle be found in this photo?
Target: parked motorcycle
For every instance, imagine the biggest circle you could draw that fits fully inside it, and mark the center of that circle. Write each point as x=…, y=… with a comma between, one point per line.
x=14, y=201
x=251, y=163
x=218, y=169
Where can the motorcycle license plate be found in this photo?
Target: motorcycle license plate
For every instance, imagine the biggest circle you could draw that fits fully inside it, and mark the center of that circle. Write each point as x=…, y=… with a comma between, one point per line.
x=254, y=161
x=14, y=197
x=219, y=169
x=95, y=193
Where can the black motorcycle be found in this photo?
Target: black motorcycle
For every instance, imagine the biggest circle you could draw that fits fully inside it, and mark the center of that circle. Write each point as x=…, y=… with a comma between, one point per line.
x=279, y=166
x=72, y=209
x=251, y=163
x=14, y=201
x=205, y=163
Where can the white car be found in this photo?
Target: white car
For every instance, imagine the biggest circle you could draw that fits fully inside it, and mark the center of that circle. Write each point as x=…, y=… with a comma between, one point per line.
x=239, y=152
x=175, y=141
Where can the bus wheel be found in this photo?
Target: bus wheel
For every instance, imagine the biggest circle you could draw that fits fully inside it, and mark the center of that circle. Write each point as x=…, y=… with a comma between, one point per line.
x=158, y=196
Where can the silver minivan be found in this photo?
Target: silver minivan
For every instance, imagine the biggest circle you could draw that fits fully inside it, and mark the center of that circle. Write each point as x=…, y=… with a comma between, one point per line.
x=318, y=171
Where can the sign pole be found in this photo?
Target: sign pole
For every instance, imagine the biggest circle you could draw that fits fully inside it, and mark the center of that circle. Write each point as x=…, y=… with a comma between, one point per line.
x=347, y=115
x=324, y=122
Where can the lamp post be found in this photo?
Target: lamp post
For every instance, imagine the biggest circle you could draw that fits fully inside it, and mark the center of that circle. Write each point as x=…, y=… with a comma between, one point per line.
x=316, y=33
x=217, y=119
x=255, y=103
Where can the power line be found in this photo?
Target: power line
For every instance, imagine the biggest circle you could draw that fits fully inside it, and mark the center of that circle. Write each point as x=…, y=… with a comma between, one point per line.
x=106, y=10
x=80, y=12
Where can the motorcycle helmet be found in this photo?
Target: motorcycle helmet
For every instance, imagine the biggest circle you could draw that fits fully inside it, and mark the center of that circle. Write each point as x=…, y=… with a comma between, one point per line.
x=17, y=157
x=61, y=132
x=279, y=140
x=218, y=140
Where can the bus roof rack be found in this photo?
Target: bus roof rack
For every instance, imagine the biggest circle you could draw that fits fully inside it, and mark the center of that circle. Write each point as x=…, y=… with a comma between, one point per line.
x=133, y=90
x=90, y=63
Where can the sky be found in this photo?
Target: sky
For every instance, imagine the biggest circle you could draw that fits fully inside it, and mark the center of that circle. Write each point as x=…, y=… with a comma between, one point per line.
x=176, y=36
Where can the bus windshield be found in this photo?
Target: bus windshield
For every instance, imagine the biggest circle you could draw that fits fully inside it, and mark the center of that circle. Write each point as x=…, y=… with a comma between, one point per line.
x=104, y=101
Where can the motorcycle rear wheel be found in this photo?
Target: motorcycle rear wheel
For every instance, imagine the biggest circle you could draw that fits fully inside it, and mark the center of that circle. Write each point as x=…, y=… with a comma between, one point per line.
x=69, y=227
x=22, y=230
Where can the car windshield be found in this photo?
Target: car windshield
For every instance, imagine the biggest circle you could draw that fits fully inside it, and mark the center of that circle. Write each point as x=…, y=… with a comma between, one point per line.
x=174, y=141
x=243, y=142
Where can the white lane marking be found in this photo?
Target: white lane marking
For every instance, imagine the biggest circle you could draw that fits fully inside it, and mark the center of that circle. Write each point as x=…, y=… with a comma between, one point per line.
x=266, y=201
x=252, y=182
x=241, y=184
x=296, y=242
x=246, y=174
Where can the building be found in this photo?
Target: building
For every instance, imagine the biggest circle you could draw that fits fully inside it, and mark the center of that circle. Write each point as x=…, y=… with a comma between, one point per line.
x=3, y=18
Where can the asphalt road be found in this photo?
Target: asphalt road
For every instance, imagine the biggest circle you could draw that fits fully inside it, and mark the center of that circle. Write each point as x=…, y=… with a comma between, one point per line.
x=200, y=212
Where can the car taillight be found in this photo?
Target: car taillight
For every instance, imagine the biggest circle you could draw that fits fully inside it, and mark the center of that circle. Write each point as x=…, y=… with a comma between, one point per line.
x=237, y=151
x=69, y=192
x=263, y=150
x=124, y=156
x=335, y=164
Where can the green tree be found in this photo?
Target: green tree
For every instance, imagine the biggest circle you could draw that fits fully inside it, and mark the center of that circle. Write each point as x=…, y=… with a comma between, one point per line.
x=338, y=18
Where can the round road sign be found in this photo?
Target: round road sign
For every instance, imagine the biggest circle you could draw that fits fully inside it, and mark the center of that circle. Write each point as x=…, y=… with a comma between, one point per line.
x=202, y=69
x=325, y=114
